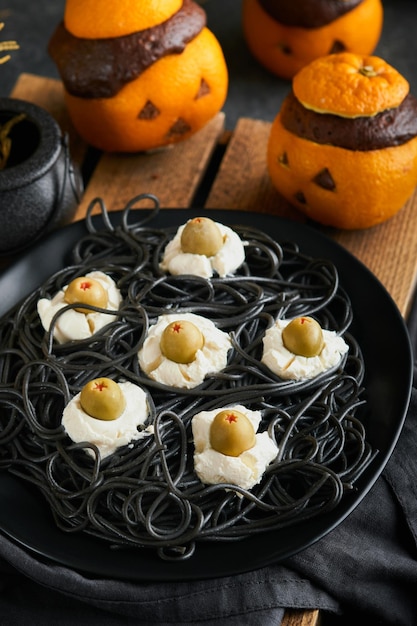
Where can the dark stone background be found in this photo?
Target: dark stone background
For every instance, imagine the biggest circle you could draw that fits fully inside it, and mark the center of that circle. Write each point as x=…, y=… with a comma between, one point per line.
x=253, y=92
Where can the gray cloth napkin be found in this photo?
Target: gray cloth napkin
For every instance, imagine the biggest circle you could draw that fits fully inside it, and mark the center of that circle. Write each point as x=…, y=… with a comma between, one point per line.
x=365, y=568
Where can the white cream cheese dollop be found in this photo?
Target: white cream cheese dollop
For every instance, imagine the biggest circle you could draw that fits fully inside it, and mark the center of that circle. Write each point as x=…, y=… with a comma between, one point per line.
x=227, y=260
x=108, y=435
x=212, y=357
x=291, y=366
x=73, y=325
x=245, y=470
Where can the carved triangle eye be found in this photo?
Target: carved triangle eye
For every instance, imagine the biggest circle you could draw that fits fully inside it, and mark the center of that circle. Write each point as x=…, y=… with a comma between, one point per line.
x=300, y=197
x=283, y=159
x=203, y=90
x=338, y=46
x=180, y=127
x=325, y=180
x=285, y=48
x=149, y=111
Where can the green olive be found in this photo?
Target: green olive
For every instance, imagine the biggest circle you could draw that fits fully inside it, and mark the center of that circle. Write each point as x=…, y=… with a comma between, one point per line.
x=231, y=433
x=180, y=341
x=103, y=399
x=86, y=290
x=303, y=336
x=201, y=236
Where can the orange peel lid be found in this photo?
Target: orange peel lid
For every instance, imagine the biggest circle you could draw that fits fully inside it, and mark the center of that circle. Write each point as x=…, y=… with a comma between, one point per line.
x=100, y=19
x=350, y=85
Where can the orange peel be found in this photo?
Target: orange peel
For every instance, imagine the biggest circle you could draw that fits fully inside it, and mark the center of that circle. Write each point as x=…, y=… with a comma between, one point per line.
x=99, y=19
x=350, y=85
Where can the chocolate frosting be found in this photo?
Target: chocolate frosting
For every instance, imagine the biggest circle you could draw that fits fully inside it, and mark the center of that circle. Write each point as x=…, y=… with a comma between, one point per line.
x=99, y=68
x=307, y=13
x=392, y=127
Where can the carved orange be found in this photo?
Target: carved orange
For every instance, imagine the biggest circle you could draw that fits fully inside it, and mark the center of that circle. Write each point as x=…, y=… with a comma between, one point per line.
x=284, y=50
x=339, y=187
x=168, y=102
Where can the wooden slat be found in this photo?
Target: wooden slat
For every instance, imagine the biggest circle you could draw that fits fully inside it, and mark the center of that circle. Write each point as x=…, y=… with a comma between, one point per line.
x=242, y=181
x=388, y=250
x=172, y=174
x=299, y=617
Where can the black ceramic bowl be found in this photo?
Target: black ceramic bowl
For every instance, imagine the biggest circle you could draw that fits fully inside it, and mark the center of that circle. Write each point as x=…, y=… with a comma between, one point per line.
x=39, y=186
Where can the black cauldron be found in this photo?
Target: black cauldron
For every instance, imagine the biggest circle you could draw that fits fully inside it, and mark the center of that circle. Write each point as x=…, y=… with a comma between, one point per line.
x=40, y=187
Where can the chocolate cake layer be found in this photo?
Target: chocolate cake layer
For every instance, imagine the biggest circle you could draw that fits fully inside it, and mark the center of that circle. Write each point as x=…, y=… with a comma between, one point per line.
x=99, y=68
x=307, y=13
x=392, y=127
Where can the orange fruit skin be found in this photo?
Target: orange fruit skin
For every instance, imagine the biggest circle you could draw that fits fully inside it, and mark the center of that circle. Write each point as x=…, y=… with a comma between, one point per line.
x=359, y=30
x=172, y=85
x=97, y=19
x=336, y=84
x=371, y=186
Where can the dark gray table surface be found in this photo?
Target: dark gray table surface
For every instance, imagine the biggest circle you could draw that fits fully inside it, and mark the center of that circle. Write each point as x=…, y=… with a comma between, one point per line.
x=253, y=92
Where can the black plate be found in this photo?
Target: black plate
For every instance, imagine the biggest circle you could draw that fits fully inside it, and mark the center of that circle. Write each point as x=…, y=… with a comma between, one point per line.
x=382, y=334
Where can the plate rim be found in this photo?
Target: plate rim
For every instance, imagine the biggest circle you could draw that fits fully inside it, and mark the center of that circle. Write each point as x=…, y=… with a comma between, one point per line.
x=208, y=567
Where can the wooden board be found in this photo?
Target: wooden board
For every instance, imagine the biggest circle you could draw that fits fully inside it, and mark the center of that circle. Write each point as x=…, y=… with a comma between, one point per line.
x=240, y=181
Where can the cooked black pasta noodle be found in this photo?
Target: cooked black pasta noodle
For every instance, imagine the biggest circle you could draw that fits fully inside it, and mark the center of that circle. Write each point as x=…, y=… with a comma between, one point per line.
x=147, y=494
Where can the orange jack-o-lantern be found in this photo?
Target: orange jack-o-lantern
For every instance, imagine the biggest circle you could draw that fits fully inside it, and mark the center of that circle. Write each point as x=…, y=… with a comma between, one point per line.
x=286, y=35
x=138, y=75
x=343, y=147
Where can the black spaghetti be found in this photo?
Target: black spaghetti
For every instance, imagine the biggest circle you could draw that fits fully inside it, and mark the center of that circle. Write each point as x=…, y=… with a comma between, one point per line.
x=147, y=494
